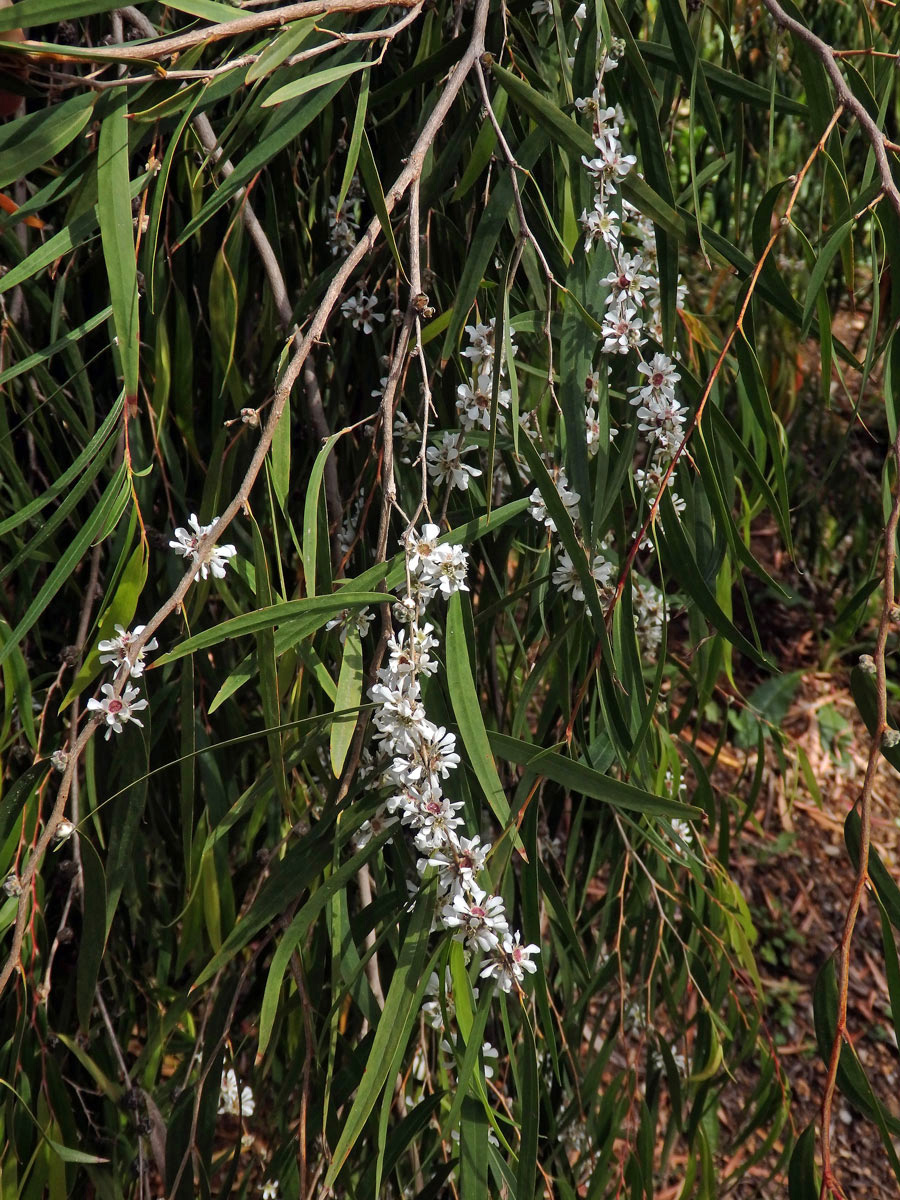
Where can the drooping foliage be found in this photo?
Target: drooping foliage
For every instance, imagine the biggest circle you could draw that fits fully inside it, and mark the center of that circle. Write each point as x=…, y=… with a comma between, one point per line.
x=410, y=417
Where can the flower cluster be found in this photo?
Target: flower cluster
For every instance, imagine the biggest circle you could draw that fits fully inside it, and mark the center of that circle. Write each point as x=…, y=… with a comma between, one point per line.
x=212, y=561
x=118, y=700
x=419, y=757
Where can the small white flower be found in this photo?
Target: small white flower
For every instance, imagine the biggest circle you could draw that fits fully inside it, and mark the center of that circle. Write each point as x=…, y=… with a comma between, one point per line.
x=445, y=462
x=420, y=546
x=627, y=281
x=622, y=330
x=117, y=710
x=360, y=310
x=214, y=560
x=64, y=830
x=566, y=576
x=447, y=569
x=661, y=379
x=509, y=962
x=362, y=618
x=230, y=1102
x=570, y=499
x=115, y=650
x=682, y=831
x=270, y=1190
x=479, y=919
x=474, y=402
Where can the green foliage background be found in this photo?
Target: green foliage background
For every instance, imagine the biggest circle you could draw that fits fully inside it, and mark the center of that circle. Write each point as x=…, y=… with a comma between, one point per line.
x=209, y=912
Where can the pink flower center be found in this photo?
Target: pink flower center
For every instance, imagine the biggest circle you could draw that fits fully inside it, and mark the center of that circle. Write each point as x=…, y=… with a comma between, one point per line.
x=433, y=806
x=466, y=862
x=477, y=911
x=657, y=379
x=517, y=954
x=115, y=706
x=623, y=282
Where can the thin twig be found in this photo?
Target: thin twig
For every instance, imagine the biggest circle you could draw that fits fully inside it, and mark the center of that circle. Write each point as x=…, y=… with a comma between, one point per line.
x=846, y=98
x=168, y=47
x=864, y=806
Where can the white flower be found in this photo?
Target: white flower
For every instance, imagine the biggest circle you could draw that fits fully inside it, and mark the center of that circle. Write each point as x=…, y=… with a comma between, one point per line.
x=376, y=824
x=432, y=1008
x=458, y=863
x=627, y=281
x=445, y=462
x=270, y=1190
x=509, y=962
x=566, y=576
x=541, y=9
x=447, y=568
x=683, y=832
x=479, y=919
x=599, y=224
x=490, y=1054
x=115, y=650
x=474, y=402
x=117, y=710
x=214, y=560
x=230, y=1103
x=431, y=760
x=361, y=311
x=481, y=350
x=661, y=379
x=436, y=820
x=622, y=330
x=420, y=547
x=64, y=830
x=362, y=619
x=570, y=499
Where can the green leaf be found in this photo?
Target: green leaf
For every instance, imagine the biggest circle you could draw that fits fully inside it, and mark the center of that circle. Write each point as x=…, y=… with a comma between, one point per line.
x=100, y=521
x=117, y=234
x=298, y=928
x=283, y=46
x=30, y=141
x=311, y=514
x=368, y=173
x=681, y=561
x=467, y=710
x=392, y=1032
x=803, y=1180
x=530, y=1109
x=473, y=1151
x=583, y=780
x=25, y=365
x=820, y=271
x=484, y=241
x=348, y=696
x=91, y=451
x=309, y=83
x=316, y=611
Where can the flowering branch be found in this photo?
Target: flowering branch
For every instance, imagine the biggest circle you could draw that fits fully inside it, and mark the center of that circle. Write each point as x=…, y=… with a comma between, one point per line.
x=205, y=545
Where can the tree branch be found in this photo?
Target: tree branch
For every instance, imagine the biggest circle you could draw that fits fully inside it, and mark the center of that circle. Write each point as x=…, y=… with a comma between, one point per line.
x=846, y=98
